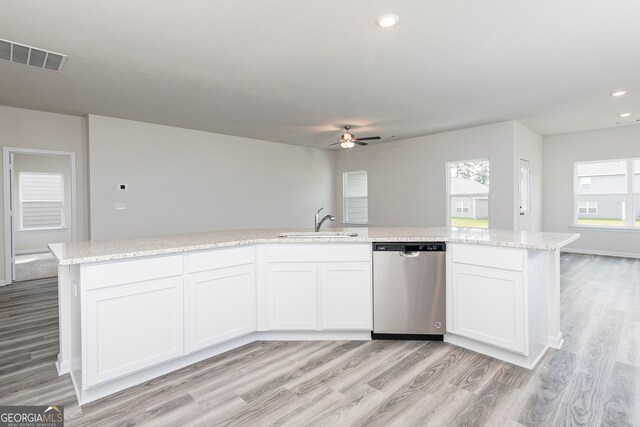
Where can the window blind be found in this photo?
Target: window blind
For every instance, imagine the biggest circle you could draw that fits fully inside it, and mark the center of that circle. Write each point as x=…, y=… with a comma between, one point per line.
x=41, y=200
x=356, y=203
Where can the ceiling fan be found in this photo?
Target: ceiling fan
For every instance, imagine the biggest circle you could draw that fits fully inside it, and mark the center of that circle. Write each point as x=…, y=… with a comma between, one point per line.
x=348, y=140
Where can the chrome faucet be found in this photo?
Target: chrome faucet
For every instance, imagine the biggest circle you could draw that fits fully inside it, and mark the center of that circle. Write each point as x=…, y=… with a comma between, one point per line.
x=320, y=221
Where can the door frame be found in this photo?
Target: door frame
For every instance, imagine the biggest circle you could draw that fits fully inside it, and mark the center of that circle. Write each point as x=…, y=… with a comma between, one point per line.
x=8, y=229
x=519, y=195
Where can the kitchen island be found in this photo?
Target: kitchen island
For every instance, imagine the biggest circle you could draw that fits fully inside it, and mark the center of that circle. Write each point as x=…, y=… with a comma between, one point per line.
x=132, y=310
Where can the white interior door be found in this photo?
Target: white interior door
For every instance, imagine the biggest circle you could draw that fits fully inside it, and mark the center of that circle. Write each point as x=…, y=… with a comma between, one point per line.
x=524, y=218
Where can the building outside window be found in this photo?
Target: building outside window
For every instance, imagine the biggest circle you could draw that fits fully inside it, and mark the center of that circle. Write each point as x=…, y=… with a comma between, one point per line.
x=607, y=193
x=468, y=193
x=355, y=197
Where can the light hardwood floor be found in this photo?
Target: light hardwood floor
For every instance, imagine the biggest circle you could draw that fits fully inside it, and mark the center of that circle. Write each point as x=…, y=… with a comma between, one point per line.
x=594, y=380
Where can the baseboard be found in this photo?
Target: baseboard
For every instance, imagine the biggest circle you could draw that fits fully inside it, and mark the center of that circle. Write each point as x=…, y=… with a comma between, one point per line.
x=557, y=341
x=3, y=283
x=603, y=253
x=63, y=366
x=33, y=251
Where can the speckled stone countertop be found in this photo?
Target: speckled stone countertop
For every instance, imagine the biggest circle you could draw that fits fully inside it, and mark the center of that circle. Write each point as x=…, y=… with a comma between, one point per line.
x=108, y=250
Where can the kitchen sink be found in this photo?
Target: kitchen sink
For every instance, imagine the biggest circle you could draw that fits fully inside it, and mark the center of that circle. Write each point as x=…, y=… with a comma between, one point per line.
x=317, y=234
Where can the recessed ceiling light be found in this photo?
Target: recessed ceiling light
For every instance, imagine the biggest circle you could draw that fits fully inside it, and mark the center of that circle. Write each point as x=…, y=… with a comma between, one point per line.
x=388, y=20
x=623, y=115
x=619, y=93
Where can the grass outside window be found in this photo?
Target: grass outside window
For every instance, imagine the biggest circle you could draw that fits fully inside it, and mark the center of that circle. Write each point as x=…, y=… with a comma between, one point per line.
x=605, y=222
x=470, y=222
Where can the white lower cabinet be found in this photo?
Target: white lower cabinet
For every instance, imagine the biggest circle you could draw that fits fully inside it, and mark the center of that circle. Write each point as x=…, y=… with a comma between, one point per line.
x=292, y=296
x=487, y=302
x=346, y=295
x=221, y=305
x=132, y=326
x=318, y=287
x=488, y=305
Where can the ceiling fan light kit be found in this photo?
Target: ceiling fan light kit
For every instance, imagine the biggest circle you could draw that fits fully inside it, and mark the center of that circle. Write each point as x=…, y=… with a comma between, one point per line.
x=347, y=140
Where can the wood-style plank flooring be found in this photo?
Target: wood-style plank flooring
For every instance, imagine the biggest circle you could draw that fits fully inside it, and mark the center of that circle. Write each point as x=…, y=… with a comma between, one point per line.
x=593, y=381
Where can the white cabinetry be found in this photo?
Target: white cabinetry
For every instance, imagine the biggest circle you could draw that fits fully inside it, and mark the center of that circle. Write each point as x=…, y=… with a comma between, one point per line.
x=221, y=296
x=133, y=321
x=293, y=296
x=497, y=301
x=318, y=287
x=488, y=305
x=346, y=295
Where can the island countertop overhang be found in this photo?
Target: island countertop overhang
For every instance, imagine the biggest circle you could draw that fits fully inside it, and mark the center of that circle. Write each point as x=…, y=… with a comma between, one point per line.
x=109, y=250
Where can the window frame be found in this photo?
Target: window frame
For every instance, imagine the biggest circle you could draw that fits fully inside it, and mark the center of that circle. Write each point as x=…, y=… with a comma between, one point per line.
x=461, y=206
x=629, y=217
x=20, y=226
x=449, y=196
x=345, y=217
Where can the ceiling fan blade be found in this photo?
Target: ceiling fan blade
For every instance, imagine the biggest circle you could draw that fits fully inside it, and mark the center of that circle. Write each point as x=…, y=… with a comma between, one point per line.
x=360, y=143
x=335, y=143
x=368, y=138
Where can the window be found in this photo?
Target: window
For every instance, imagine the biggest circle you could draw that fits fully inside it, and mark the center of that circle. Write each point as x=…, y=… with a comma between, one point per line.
x=588, y=208
x=606, y=193
x=468, y=198
x=355, y=200
x=462, y=207
x=41, y=200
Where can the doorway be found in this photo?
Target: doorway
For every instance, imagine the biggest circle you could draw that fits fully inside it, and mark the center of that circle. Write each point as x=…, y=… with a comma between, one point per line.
x=39, y=209
x=524, y=197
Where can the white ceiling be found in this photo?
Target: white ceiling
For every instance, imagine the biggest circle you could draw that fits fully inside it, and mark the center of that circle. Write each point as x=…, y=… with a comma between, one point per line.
x=295, y=71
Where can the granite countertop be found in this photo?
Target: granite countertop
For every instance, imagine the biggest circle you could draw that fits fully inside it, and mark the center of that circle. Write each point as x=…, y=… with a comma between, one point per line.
x=107, y=250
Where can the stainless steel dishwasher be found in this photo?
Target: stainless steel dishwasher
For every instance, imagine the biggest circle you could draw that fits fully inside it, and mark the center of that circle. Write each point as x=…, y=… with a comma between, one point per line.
x=409, y=290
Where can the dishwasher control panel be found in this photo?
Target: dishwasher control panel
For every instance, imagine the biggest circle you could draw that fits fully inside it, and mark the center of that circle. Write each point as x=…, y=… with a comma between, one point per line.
x=410, y=247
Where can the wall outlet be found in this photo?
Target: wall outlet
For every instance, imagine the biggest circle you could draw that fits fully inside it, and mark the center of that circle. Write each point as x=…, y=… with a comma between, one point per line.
x=120, y=206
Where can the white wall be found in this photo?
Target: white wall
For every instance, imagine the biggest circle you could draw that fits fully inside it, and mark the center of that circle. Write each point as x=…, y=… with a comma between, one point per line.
x=529, y=146
x=32, y=241
x=560, y=154
x=407, y=179
x=182, y=180
x=35, y=129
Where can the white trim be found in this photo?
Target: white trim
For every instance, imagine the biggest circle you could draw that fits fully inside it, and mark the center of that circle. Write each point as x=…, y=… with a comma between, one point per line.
x=557, y=341
x=85, y=396
x=603, y=253
x=29, y=230
x=3, y=283
x=6, y=152
x=628, y=195
x=527, y=362
x=345, y=197
x=604, y=228
x=33, y=251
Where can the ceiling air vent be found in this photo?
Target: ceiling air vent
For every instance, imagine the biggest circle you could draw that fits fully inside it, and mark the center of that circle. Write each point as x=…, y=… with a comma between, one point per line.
x=32, y=56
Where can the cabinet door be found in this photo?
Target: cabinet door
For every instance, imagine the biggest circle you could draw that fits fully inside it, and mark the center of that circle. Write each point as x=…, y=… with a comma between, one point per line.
x=293, y=296
x=221, y=305
x=346, y=295
x=489, y=306
x=132, y=327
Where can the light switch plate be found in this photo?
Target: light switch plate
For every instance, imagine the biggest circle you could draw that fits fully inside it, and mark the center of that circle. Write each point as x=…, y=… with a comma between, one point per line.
x=120, y=206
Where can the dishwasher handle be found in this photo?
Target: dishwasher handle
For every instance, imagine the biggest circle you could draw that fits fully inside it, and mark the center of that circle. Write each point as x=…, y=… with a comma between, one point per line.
x=410, y=254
